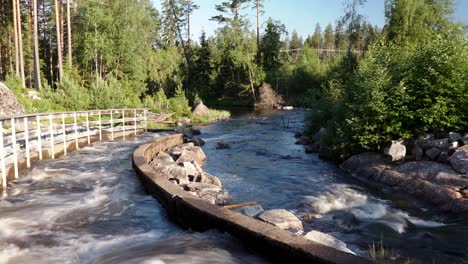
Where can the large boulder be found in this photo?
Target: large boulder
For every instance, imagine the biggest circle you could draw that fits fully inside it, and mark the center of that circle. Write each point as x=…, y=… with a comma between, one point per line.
x=9, y=105
x=459, y=160
x=327, y=240
x=282, y=219
x=201, y=110
x=190, y=154
x=362, y=160
x=396, y=152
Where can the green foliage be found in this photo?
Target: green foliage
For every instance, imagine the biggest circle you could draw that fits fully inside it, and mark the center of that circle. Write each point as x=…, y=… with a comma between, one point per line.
x=179, y=104
x=397, y=90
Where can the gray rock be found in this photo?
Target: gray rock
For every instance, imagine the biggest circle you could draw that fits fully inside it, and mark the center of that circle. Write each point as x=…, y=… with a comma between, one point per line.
x=211, y=179
x=327, y=240
x=281, y=218
x=201, y=110
x=423, y=139
x=452, y=136
x=9, y=105
x=303, y=141
x=365, y=159
x=396, y=152
x=222, y=145
x=252, y=211
x=459, y=160
x=163, y=157
x=319, y=135
x=326, y=152
x=417, y=153
x=189, y=154
x=464, y=140
x=172, y=171
x=193, y=169
x=433, y=153
x=197, y=141
x=443, y=157
x=195, y=131
x=441, y=143
x=184, y=122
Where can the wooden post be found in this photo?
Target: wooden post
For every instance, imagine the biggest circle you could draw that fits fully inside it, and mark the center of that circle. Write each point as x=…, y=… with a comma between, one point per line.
x=87, y=127
x=112, y=125
x=64, y=135
x=123, y=123
x=135, y=121
x=39, y=136
x=100, y=126
x=2, y=158
x=15, y=151
x=76, y=130
x=26, y=131
x=51, y=133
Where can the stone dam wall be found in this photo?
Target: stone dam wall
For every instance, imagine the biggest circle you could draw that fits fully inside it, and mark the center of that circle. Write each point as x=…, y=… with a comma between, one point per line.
x=190, y=211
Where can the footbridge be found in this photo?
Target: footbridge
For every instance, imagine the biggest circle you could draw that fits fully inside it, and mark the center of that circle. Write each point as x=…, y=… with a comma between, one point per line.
x=49, y=135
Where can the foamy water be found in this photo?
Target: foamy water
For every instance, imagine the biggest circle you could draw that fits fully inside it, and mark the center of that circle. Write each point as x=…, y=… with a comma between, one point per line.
x=90, y=207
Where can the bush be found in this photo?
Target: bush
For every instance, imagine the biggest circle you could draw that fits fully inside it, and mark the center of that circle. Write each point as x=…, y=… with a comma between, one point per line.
x=179, y=104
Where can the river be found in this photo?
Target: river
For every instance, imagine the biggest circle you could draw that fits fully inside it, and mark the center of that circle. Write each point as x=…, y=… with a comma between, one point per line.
x=89, y=207
x=264, y=165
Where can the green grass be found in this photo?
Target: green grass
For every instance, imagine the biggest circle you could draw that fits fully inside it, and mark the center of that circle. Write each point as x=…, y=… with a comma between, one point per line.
x=213, y=116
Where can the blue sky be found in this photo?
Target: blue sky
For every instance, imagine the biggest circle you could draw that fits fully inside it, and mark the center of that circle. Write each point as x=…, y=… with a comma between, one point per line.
x=300, y=15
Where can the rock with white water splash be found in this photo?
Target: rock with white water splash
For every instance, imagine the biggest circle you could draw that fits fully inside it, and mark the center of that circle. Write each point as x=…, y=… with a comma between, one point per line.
x=459, y=160
x=252, y=211
x=396, y=152
x=281, y=218
x=328, y=240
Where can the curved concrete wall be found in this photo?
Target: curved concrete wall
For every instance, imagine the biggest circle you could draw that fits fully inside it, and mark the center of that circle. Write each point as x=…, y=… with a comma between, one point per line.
x=278, y=245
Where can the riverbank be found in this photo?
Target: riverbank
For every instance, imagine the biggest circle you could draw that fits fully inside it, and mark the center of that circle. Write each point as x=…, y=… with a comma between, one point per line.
x=434, y=171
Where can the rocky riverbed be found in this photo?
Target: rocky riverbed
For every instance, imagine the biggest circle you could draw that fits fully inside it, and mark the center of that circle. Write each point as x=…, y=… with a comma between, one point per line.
x=182, y=165
x=435, y=170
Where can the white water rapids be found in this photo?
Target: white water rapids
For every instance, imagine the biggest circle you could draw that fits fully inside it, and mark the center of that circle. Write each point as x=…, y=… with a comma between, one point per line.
x=89, y=207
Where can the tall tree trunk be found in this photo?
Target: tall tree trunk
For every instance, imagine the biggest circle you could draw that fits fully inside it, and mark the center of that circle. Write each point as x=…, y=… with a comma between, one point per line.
x=188, y=23
x=15, y=26
x=59, y=44
x=62, y=26
x=20, y=42
x=69, y=35
x=37, y=70
x=258, y=24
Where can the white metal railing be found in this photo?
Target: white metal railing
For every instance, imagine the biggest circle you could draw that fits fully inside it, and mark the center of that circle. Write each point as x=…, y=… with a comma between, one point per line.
x=20, y=136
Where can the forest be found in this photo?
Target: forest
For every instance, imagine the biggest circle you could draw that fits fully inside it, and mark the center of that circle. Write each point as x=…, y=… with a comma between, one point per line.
x=366, y=85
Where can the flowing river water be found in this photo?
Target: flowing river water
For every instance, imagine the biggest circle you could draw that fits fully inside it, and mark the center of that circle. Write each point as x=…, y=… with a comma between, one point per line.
x=89, y=207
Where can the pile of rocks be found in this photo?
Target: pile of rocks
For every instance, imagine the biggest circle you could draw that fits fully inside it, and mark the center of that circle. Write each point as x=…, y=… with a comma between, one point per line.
x=182, y=165
x=288, y=221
